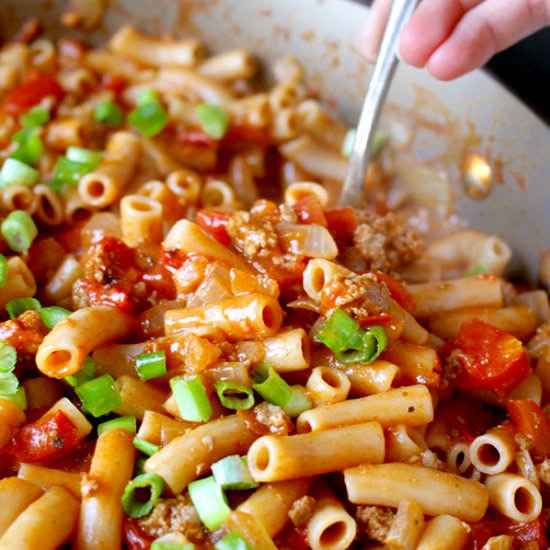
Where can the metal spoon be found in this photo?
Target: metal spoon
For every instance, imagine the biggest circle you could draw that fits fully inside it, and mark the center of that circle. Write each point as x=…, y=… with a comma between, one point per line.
x=353, y=190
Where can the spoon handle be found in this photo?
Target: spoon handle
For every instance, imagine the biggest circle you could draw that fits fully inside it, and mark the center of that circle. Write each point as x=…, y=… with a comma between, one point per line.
x=353, y=190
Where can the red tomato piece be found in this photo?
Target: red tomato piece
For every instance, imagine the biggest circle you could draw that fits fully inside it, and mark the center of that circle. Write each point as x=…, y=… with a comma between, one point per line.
x=134, y=537
x=342, y=223
x=46, y=439
x=293, y=537
x=116, y=295
x=32, y=91
x=533, y=531
x=531, y=421
x=115, y=84
x=242, y=133
x=397, y=291
x=196, y=137
x=214, y=222
x=309, y=210
x=488, y=358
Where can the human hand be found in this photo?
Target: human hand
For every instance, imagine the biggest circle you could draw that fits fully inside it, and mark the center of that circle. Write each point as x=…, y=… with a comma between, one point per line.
x=453, y=37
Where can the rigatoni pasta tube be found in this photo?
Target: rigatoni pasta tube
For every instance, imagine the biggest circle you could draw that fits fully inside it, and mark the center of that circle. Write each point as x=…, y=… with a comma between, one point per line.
x=62, y=351
x=276, y=458
x=11, y=417
x=19, y=283
x=287, y=351
x=436, y=298
x=406, y=527
x=138, y=397
x=492, y=452
x=330, y=527
x=48, y=477
x=140, y=219
x=514, y=496
x=251, y=529
x=410, y=405
x=376, y=377
x=444, y=532
x=105, y=184
x=229, y=65
x=19, y=493
x=242, y=317
x=435, y=491
x=190, y=455
x=47, y=523
x=272, y=502
x=327, y=385
x=160, y=429
x=100, y=525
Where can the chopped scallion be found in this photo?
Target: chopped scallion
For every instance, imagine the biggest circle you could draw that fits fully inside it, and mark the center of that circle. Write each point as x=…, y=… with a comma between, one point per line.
x=364, y=346
x=126, y=423
x=3, y=270
x=149, y=118
x=137, y=508
x=476, y=270
x=298, y=403
x=271, y=386
x=99, y=396
x=19, y=397
x=30, y=146
x=151, y=365
x=336, y=331
x=8, y=357
x=37, y=116
x=231, y=472
x=140, y=464
x=85, y=374
x=146, y=447
x=51, y=315
x=172, y=541
x=109, y=113
x=349, y=141
x=234, y=396
x=86, y=156
x=70, y=171
x=191, y=398
x=232, y=541
x=14, y=171
x=8, y=383
x=18, y=306
x=210, y=502
x=214, y=120
x=19, y=230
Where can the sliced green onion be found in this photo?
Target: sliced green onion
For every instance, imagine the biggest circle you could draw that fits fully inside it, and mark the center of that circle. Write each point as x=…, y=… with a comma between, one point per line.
x=271, y=386
x=364, y=346
x=85, y=374
x=37, y=116
x=149, y=118
x=170, y=542
x=19, y=230
x=126, y=423
x=30, y=146
x=213, y=119
x=99, y=396
x=137, y=508
x=8, y=383
x=139, y=468
x=3, y=270
x=349, y=141
x=19, y=305
x=8, y=357
x=232, y=472
x=70, y=171
x=232, y=541
x=190, y=394
x=151, y=365
x=476, y=270
x=108, y=112
x=146, y=447
x=85, y=156
x=51, y=315
x=298, y=403
x=19, y=397
x=210, y=502
x=234, y=396
x=337, y=330
x=14, y=171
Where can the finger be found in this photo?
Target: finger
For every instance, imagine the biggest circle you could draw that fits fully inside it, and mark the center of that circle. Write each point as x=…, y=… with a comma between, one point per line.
x=429, y=26
x=370, y=36
x=484, y=31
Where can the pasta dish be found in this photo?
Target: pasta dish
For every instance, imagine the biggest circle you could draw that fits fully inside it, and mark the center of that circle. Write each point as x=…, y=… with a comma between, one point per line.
x=199, y=350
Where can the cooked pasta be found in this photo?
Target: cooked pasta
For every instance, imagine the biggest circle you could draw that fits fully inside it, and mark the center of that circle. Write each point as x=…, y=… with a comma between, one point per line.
x=197, y=345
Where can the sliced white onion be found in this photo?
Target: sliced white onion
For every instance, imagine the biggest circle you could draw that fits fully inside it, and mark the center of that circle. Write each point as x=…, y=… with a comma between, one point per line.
x=312, y=240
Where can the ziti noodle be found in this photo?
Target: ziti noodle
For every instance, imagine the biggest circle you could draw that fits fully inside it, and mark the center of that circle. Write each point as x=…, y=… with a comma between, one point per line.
x=185, y=364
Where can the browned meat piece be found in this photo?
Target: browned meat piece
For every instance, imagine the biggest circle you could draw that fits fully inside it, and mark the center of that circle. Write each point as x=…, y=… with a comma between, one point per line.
x=301, y=510
x=254, y=236
x=174, y=514
x=25, y=333
x=374, y=522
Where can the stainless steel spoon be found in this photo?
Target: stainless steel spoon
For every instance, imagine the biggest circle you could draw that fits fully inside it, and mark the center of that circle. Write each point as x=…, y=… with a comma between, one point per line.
x=353, y=190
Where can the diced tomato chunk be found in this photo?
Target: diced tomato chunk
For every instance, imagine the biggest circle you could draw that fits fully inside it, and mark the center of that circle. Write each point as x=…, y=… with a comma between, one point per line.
x=309, y=210
x=45, y=439
x=342, y=223
x=113, y=83
x=397, y=291
x=116, y=295
x=487, y=358
x=214, y=222
x=134, y=537
x=244, y=133
x=198, y=138
x=37, y=86
x=532, y=422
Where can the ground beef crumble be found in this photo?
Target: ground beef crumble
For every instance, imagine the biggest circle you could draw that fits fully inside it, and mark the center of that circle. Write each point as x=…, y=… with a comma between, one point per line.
x=174, y=514
x=25, y=333
x=301, y=510
x=255, y=237
x=382, y=243
x=374, y=522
